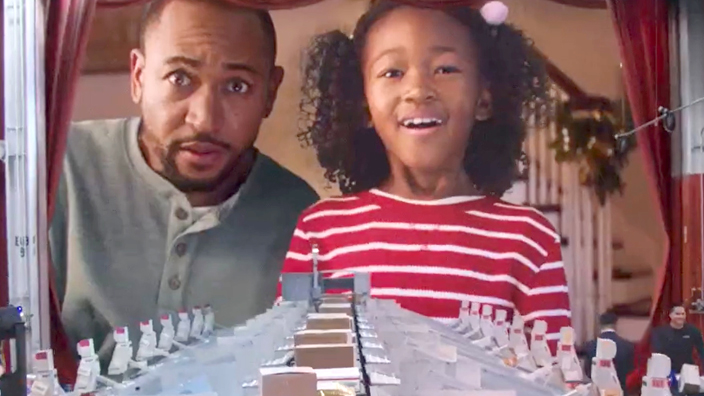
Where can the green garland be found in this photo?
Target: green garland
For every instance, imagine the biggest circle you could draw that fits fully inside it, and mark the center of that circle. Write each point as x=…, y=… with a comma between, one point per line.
x=588, y=139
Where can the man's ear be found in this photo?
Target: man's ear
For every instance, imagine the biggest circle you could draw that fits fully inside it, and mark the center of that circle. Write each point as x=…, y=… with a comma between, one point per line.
x=277, y=76
x=484, y=109
x=137, y=62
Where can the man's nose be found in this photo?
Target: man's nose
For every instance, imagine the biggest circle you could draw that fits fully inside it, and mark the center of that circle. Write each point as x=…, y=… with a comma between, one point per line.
x=419, y=87
x=205, y=111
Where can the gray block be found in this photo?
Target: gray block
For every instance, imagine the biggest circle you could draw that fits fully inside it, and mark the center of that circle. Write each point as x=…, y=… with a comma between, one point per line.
x=362, y=283
x=296, y=287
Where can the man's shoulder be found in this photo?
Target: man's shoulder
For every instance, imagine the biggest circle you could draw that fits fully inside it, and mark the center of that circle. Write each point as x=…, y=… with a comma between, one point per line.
x=662, y=329
x=95, y=137
x=589, y=346
x=624, y=342
x=281, y=183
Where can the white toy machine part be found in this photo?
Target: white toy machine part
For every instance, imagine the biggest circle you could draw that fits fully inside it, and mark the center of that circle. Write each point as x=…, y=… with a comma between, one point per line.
x=462, y=322
x=567, y=357
x=183, y=329
x=166, y=337
x=147, y=348
x=518, y=342
x=197, y=323
x=539, y=344
x=473, y=329
x=501, y=329
x=208, y=321
x=88, y=368
x=475, y=316
x=122, y=354
x=690, y=381
x=46, y=382
x=655, y=382
x=486, y=328
x=604, y=374
x=486, y=323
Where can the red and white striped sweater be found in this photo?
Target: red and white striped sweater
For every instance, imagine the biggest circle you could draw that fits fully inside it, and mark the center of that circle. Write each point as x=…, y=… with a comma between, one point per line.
x=430, y=256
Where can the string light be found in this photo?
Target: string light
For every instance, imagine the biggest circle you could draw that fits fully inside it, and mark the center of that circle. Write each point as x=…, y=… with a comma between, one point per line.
x=665, y=114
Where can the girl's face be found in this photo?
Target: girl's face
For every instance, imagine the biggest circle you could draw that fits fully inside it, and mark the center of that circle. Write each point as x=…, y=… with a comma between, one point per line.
x=422, y=85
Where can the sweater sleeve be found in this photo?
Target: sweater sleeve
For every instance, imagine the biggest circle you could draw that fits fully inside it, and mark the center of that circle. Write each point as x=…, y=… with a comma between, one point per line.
x=299, y=257
x=546, y=297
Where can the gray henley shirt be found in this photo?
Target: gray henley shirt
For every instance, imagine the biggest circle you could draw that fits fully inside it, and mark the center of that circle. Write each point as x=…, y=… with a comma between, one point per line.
x=127, y=246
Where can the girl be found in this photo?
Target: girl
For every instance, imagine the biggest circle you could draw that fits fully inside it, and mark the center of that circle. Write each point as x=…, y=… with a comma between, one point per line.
x=419, y=119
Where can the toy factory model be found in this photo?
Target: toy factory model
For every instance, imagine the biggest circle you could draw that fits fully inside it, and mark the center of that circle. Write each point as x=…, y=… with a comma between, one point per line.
x=313, y=343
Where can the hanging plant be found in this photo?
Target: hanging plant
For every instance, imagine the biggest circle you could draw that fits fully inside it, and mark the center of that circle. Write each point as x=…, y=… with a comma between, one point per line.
x=588, y=138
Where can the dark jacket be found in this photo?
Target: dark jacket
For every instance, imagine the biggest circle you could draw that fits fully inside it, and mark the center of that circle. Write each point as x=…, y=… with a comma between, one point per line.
x=623, y=361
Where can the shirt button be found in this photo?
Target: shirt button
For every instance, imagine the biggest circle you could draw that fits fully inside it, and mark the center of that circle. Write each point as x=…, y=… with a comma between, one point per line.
x=181, y=214
x=174, y=282
x=181, y=249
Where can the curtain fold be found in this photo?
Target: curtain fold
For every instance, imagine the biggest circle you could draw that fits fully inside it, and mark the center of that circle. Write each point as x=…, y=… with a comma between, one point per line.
x=68, y=23
x=642, y=31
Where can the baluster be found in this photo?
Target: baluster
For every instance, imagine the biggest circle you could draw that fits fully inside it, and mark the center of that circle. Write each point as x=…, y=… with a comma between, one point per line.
x=602, y=266
x=588, y=235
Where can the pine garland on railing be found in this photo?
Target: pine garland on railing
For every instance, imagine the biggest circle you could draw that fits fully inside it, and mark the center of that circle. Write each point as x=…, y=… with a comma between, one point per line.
x=588, y=139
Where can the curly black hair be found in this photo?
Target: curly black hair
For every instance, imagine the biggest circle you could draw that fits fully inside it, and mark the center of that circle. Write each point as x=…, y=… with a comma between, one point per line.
x=335, y=118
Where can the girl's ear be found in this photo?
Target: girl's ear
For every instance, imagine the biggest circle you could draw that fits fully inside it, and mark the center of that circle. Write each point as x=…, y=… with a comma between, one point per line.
x=367, y=116
x=484, y=108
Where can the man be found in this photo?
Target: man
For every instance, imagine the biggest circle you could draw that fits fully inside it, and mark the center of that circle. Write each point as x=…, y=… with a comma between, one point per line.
x=176, y=208
x=624, y=359
x=677, y=339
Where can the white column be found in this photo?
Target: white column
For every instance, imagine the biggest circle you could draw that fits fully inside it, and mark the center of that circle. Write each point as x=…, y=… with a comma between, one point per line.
x=25, y=166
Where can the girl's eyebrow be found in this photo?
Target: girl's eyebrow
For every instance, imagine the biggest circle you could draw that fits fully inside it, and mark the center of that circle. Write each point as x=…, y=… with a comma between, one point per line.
x=435, y=50
x=386, y=52
x=441, y=49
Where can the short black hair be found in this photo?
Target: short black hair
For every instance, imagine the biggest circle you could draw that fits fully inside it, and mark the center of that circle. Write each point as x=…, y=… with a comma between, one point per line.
x=153, y=9
x=335, y=119
x=608, y=319
x=675, y=306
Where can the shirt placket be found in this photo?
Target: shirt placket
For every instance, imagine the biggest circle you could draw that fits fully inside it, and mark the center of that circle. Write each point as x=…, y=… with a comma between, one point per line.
x=179, y=254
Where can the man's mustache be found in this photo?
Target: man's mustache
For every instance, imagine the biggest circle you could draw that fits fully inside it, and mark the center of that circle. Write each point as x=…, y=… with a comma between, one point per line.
x=202, y=138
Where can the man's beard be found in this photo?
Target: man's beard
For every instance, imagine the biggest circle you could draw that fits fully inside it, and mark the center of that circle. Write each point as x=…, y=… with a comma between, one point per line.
x=188, y=184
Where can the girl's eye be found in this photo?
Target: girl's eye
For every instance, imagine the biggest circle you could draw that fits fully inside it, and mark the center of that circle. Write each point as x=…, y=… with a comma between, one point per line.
x=447, y=70
x=238, y=86
x=179, y=79
x=392, y=73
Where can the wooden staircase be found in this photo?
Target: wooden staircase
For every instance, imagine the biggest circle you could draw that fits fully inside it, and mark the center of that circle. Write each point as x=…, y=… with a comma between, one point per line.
x=588, y=243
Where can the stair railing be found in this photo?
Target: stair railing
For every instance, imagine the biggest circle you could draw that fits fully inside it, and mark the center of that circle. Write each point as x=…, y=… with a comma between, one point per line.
x=584, y=224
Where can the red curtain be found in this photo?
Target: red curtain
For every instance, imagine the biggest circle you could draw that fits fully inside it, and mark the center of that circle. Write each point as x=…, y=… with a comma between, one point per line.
x=642, y=30
x=68, y=23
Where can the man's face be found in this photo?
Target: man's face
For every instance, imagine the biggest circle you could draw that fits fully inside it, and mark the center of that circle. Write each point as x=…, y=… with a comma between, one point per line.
x=678, y=316
x=204, y=84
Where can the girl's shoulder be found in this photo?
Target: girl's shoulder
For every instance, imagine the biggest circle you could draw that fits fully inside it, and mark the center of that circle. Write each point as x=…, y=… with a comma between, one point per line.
x=347, y=202
x=515, y=213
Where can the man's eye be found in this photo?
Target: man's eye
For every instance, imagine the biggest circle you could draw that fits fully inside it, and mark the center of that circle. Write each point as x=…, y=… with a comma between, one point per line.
x=238, y=86
x=179, y=79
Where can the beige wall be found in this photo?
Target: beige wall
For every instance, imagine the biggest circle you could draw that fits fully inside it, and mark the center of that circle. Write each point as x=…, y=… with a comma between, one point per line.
x=580, y=42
